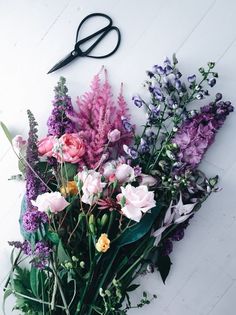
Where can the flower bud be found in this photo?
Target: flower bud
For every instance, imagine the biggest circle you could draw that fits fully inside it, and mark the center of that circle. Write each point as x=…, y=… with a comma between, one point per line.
x=92, y=223
x=104, y=219
x=18, y=142
x=82, y=264
x=114, y=135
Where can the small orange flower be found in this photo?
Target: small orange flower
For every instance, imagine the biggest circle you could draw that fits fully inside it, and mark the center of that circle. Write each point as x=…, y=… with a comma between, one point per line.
x=103, y=243
x=70, y=189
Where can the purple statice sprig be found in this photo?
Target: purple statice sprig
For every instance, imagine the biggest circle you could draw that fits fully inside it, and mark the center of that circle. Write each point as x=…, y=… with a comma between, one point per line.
x=41, y=255
x=40, y=252
x=32, y=220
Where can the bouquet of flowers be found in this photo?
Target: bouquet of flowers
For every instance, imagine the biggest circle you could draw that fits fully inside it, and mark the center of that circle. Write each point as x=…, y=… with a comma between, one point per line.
x=103, y=204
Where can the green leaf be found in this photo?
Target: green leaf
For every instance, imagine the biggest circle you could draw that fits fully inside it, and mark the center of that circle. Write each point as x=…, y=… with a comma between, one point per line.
x=21, y=166
x=7, y=293
x=132, y=287
x=42, y=167
x=140, y=229
x=69, y=170
x=53, y=237
x=6, y=131
x=34, y=280
x=163, y=265
x=61, y=253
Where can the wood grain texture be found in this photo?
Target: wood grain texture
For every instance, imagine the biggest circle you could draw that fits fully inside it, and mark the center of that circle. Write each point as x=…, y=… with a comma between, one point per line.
x=35, y=34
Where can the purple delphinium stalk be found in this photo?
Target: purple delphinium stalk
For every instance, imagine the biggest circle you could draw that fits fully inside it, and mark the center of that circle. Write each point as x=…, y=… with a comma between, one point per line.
x=198, y=132
x=33, y=219
x=34, y=185
x=59, y=123
x=41, y=255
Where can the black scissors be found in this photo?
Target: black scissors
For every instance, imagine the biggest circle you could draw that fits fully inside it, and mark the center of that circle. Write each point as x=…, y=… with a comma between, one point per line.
x=77, y=52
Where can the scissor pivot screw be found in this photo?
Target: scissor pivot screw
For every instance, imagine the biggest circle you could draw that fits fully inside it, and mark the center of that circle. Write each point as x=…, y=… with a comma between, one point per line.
x=74, y=53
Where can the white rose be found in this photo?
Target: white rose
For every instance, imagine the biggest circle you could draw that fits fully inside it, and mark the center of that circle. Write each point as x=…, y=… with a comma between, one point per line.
x=53, y=201
x=124, y=173
x=138, y=200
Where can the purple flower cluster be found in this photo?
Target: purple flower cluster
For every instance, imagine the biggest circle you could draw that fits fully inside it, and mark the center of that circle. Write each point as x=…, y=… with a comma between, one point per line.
x=176, y=235
x=41, y=255
x=33, y=219
x=59, y=122
x=198, y=132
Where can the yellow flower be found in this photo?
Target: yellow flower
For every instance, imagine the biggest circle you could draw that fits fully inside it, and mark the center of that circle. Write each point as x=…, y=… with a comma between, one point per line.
x=70, y=189
x=103, y=243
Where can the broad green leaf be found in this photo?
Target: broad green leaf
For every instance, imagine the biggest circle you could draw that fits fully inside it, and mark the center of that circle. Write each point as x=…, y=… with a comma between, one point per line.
x=163, y=265
x=140, y=229
x=7, y=293
x=132, y=287
x=69, y=171
x=6, y=131
x=61, y=253
x=53, y=237
x=34, y=280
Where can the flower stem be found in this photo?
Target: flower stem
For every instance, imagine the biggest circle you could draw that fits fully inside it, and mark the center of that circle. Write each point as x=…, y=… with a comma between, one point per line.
x=61, y=291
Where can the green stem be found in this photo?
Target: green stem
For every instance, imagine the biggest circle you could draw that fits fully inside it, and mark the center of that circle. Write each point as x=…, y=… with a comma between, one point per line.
x=36, y=300
x=138, y=260
x=91, y=270
x=60, y=289
x=100, y=285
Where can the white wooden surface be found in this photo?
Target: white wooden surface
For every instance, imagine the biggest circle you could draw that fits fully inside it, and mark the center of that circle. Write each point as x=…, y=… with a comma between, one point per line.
x=35, y=34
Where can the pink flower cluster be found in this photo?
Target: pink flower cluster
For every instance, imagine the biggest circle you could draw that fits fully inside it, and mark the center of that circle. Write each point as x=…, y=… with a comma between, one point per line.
x=100, y=123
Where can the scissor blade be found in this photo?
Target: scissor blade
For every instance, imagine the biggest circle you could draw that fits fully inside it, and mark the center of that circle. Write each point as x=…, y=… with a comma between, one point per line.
x=63, y=62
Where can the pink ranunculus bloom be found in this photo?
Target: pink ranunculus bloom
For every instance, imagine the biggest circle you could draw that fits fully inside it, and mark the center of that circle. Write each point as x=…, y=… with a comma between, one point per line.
x=148, y=180
x=45, y=146
x=18, y=142
x=70, y=149
x=138, y=200
x=114, y=135
x=53, y=201
x=92, y=185
x=124, y=173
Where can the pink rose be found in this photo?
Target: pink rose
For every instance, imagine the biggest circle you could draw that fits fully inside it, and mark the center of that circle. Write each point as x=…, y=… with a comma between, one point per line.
x=53, y=201
x=92, y=185
x=45, y=146
x=124, y=173
x=138, y=200
x=18, y=142
x=71, y=148
x=148, y=180
x=114, y=135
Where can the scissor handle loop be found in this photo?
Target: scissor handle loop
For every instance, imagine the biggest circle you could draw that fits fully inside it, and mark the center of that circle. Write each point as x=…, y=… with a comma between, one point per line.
x=103, y=31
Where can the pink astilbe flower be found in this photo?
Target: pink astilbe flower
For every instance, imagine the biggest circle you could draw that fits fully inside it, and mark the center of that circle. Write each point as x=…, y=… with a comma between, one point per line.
x=97, y=116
